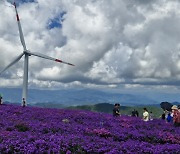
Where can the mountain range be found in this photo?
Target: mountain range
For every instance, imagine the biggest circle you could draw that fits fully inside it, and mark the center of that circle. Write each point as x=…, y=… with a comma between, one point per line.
x=72, y=97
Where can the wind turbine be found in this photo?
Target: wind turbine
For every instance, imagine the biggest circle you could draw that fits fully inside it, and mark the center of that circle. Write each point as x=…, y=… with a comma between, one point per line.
x=26, y=53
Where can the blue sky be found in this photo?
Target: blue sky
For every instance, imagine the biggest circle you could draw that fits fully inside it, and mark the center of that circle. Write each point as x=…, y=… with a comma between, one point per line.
x=57, y=21
x=122, y=46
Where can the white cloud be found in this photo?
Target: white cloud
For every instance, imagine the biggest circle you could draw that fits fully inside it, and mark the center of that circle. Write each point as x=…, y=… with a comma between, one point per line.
x=110, y=42
x=49, y=73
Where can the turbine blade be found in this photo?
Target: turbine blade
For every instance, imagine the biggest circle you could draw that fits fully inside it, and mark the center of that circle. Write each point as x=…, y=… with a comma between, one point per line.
x=49, y=58
x=12, y=63
x=20, y=29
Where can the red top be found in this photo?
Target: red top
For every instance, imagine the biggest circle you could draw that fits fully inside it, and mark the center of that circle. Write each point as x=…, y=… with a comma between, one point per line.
x=176, y=116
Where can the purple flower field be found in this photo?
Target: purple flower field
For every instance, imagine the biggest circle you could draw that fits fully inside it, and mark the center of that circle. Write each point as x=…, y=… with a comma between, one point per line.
x=40, y=130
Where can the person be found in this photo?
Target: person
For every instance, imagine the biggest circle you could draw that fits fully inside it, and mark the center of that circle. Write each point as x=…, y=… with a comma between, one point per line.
x=176, y=116
x=169, y=117
x=163, y=116
x=179, y=108
x=23, y=102
x=145, y=115
x=151, y=116
x=137, y=113
x=116, y=111
x=1, y=101
x=133, y=113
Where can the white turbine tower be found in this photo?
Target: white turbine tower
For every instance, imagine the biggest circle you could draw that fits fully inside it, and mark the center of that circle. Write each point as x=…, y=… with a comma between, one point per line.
x=26, y=54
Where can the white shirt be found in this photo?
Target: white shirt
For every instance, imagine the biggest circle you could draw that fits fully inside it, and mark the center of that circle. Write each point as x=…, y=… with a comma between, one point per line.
x=145, y=116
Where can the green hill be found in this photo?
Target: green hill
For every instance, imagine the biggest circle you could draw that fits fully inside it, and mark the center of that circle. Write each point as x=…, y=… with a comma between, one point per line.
x=125, y=110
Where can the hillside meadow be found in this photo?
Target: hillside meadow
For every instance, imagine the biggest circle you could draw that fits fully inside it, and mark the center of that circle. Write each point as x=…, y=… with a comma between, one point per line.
x=125, y=110
x=66, y=131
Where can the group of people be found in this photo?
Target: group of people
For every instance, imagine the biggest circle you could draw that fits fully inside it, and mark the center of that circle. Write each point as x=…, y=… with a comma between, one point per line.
x=169, y=116
x=135, y=113
x=173, y=116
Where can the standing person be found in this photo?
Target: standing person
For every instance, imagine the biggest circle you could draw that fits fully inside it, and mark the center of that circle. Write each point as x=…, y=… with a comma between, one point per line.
x=163, y=116
x=23, y=102
x=133, y=113
x=1, y=100
x=116, y=111
x=151, y=116
x=137, y=113
x=145, y=115
x=176, y=116
x=169, y=117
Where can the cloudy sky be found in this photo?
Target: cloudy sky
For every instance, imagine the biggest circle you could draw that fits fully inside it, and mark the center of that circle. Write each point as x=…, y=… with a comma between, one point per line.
x=114, y=44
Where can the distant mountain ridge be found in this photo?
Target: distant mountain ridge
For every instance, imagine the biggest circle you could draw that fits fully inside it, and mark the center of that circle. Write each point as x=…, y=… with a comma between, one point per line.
x=74, y=97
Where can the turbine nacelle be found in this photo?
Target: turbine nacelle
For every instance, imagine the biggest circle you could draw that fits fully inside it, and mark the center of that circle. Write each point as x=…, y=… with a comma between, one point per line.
x=27, y=52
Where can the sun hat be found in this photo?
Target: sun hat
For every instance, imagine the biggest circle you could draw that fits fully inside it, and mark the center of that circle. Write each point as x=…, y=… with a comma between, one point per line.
x=174, y=107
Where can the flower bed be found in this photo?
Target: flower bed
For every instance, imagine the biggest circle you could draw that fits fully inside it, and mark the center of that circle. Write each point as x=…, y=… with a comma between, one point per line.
x=40, y=130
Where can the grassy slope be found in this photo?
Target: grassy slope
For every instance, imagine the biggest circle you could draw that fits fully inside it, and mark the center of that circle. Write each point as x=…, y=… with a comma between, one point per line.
x=126, y=110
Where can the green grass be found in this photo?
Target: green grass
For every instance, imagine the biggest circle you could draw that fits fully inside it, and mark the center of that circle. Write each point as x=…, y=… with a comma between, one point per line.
x=126, y=110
